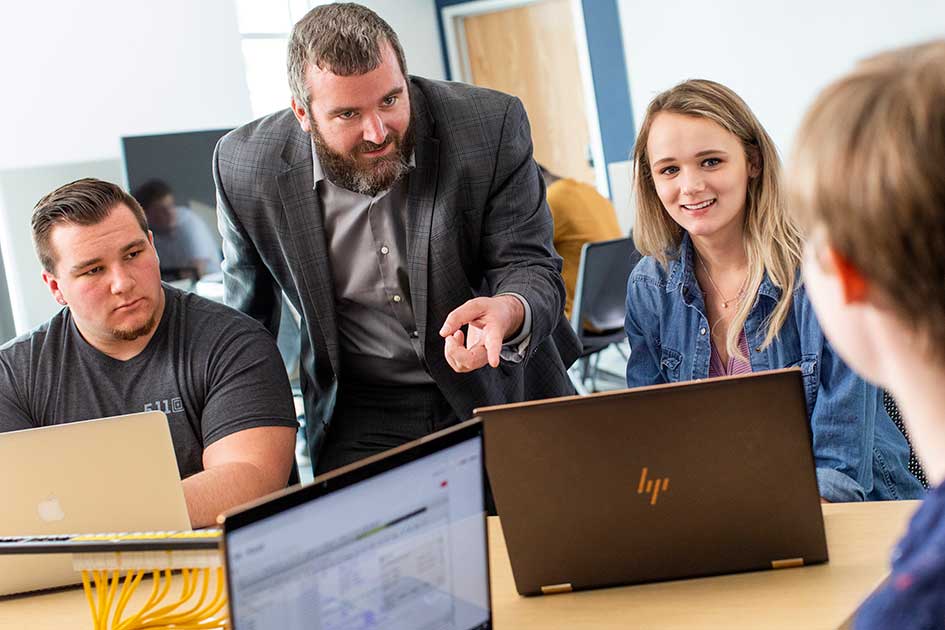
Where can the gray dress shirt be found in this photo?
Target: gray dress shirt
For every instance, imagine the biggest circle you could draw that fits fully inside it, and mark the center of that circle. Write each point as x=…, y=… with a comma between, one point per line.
x=377, y=329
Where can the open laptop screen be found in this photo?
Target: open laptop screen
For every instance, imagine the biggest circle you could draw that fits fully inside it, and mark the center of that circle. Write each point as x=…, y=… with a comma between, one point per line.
x=403, y=549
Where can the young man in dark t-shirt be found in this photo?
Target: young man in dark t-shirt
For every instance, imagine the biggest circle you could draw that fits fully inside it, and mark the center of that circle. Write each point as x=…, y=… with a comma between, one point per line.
x=127, y=343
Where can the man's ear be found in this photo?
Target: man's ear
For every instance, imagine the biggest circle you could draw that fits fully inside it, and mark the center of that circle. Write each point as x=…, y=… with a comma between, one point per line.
x=151, y=241
x=301, y=116
x=853, y=284
x=53, y=285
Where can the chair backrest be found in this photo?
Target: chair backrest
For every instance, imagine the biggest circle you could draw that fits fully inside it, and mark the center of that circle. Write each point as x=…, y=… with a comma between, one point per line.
x=915, y=467
x=601, y=292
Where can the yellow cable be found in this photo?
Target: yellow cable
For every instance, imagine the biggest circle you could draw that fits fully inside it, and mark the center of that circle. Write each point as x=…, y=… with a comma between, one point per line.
x=126, y=593
x=87, y=587
x=144, y=619
x=159, y=616
x=219, y=601
x=148, y=605
x=206, y=623
x=112, y=588
x=156, y=580
x=190, y=615
x=165, y=589
x=122, y=593
x=100, y=591
x=139, y=620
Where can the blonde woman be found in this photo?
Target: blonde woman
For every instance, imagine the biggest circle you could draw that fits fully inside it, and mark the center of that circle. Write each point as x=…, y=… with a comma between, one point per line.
x=868, y=183
x=718, y=291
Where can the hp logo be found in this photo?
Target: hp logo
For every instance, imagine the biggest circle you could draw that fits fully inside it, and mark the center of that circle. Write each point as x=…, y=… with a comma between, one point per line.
x=652, y=487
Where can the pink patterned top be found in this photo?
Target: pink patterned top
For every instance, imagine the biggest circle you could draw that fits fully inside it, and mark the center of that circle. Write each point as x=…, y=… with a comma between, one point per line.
x=735, y=365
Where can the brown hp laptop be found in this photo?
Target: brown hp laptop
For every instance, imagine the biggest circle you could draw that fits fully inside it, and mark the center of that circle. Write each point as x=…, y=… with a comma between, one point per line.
x=656, y=483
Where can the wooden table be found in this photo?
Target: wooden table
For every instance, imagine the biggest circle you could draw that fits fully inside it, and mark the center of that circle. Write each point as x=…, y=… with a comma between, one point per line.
x=859, y=539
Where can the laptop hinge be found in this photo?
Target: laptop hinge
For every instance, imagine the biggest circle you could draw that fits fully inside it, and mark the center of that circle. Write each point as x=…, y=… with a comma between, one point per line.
x=556, y=588
x=787, y=563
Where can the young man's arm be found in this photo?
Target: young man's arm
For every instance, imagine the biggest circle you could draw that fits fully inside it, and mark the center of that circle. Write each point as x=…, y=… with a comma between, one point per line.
x=239, y=468
x=248, y=420
x=14, y=374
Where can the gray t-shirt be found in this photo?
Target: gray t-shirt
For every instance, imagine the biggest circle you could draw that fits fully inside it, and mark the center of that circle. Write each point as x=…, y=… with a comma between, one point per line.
x=211, y=369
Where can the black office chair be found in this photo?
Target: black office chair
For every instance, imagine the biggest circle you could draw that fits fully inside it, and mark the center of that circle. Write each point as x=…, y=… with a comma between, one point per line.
x=597, y=313
x=914, y=466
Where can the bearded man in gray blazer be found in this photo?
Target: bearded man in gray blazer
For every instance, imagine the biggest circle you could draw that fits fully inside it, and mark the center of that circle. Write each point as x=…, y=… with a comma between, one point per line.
x=406, y=222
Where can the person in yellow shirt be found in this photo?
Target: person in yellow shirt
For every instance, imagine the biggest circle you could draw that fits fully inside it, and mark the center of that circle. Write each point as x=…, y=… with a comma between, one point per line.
x=581, y=215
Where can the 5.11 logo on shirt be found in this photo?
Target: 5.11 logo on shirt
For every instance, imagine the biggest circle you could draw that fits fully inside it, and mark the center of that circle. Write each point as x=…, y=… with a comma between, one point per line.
x=168, y=405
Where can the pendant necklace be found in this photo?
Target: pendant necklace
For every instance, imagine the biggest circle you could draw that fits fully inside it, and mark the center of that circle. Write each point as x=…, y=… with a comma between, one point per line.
x=725, y=302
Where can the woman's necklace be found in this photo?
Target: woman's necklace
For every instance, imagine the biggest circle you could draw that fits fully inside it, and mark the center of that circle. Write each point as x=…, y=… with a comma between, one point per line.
x=725, y=302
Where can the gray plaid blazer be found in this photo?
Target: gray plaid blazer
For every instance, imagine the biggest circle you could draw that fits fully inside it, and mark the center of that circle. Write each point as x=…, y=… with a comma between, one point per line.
x=478, y=224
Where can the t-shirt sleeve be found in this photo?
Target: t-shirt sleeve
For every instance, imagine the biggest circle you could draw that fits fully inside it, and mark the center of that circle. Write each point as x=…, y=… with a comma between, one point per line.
x=248, y=387
x=14, y=408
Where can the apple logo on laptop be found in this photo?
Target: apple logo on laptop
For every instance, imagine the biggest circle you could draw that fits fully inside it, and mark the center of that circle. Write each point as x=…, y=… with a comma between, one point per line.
x=50, y=510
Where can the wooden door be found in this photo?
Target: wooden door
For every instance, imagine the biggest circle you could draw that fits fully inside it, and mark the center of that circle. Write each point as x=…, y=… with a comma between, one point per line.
x=531, y=52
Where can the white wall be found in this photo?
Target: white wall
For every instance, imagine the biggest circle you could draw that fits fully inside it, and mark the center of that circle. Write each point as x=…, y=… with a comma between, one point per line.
x=413, y=20
x=20, y=189
x=77, y=77
x=775, y=55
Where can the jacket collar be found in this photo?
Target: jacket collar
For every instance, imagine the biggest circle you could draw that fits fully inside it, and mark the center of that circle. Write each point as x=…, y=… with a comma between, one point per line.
x=682, y=273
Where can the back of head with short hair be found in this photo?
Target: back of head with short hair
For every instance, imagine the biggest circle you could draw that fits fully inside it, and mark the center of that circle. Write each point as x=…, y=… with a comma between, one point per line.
x=150, y=191
x=343, y=38
x=83, y=202
x=869, y=167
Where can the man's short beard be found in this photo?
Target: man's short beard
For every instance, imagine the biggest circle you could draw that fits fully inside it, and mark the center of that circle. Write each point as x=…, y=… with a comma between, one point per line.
x=130, y=335
x=345, y=170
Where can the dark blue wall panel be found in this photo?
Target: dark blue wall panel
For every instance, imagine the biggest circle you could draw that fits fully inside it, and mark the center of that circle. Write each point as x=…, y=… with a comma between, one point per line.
x=611, y=86
x=439, y=20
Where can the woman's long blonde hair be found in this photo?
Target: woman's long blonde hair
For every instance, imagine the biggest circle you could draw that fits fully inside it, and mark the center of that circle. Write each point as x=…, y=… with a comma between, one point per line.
x=772, y=240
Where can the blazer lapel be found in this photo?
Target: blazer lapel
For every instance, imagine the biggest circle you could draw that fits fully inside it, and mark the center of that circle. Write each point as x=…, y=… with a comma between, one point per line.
x=307, y=255
x=421, y=200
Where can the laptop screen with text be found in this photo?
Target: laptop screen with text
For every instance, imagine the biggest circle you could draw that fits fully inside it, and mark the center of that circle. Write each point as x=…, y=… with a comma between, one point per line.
x=402, y=550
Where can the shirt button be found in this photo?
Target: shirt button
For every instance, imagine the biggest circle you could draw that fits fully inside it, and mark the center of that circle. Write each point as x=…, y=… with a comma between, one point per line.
x=414, y=334
x=397, y=298
x=702, y=331
x=758, y=349
x=384, y=250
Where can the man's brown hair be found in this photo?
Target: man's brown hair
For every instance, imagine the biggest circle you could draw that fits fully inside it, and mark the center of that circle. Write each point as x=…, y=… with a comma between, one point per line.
x=83, y=202
x=343, y=38
x=869, y=169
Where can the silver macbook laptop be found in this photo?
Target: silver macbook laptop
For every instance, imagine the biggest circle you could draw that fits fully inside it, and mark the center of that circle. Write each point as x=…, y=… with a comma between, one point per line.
x=397, y=541
x=107, y=475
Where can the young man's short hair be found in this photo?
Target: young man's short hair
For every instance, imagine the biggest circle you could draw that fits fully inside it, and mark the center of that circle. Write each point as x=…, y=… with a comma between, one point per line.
x=868, y=167
x=83, y=202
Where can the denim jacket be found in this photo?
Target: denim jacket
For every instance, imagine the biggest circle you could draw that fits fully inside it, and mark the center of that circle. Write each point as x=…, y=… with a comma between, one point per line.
x=859, y=453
